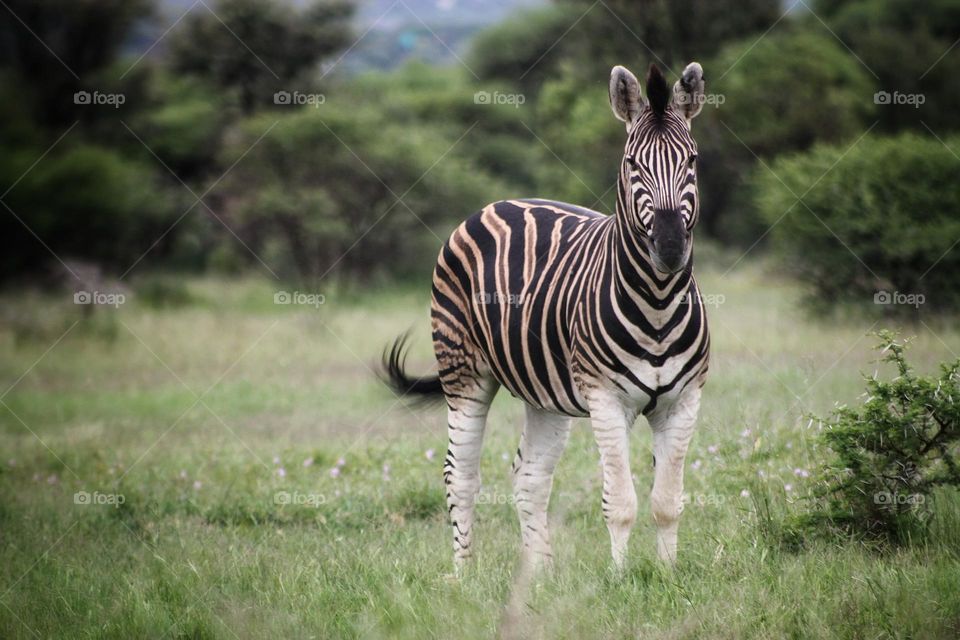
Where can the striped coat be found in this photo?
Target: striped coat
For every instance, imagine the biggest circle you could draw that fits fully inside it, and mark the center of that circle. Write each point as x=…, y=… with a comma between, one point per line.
x=578, y=314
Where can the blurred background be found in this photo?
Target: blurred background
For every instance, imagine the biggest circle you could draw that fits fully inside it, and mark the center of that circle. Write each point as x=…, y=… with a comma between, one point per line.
x=214, y=214
x=340, y=142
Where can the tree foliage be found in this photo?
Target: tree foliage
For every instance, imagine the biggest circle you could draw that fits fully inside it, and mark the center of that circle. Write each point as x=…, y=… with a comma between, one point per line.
x=780, y=95
x=254, y=48
x=340, y=191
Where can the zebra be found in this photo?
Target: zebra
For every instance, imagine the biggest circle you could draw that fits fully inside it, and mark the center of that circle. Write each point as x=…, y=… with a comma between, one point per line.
x=578, y=314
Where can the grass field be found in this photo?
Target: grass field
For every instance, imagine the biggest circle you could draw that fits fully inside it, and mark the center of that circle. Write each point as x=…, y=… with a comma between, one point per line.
x=231, y=468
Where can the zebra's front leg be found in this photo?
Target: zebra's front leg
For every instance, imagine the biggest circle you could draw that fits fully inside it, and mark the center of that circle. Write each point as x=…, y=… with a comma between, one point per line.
x=461, y=470
x=672, y=431
x=543, y=441
x=610, y=429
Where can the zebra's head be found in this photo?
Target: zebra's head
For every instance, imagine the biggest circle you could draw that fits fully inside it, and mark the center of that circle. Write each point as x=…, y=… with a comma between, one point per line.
x=658, y=176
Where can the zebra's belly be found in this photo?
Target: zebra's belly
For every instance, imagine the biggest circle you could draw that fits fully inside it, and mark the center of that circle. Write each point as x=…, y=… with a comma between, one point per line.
x=526, y=344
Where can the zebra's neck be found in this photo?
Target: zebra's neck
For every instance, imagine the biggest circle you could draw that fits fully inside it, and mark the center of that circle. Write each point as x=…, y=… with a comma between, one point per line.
x=634, y=274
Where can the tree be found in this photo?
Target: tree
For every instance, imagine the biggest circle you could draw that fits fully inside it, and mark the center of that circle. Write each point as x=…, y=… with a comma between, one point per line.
x=254, y=48
x=672, y=32
x=781, y=94
x=52, y=47
x=910, y=47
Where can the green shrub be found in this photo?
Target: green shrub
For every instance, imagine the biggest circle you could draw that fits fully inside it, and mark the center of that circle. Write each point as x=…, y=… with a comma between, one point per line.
x=890, y=453
x=85, y=202
x=876, y=222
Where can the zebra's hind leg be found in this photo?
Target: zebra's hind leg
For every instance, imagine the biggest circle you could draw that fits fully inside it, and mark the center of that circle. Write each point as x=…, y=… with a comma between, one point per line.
x=672, y=431
x=466, y=418
x=543, y=441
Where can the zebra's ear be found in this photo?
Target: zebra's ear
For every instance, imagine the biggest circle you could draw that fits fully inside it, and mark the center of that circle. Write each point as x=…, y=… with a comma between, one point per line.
x=688, y=91
x=625, y=98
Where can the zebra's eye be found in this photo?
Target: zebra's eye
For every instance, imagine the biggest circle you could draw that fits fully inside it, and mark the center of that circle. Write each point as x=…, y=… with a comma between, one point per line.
x=692, y=161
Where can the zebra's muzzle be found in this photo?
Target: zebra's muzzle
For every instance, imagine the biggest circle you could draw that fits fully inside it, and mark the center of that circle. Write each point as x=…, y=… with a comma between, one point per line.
x=669, y=241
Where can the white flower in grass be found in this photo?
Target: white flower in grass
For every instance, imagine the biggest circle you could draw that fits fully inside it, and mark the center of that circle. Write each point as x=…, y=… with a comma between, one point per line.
x=183, y=474
x=744, y=493
x=308, y=462
x=505, y=457
x=712, y=448
x=429, y=453
x=696, y=464
x=335, y=472
x=276, y=459
x=197, y=484
x=282, y=472
x=788, y=487
x=801, y=473
x=745, y=433
x=341, y=462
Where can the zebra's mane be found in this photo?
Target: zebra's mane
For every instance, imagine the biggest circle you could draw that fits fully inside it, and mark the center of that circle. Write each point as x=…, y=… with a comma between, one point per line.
x=658, y=93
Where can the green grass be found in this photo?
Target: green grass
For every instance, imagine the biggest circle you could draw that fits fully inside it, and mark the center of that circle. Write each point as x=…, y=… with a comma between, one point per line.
x=185, y=409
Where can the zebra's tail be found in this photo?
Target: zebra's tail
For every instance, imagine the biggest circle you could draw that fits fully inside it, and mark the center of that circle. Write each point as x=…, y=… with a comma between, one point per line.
x=425, y=389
